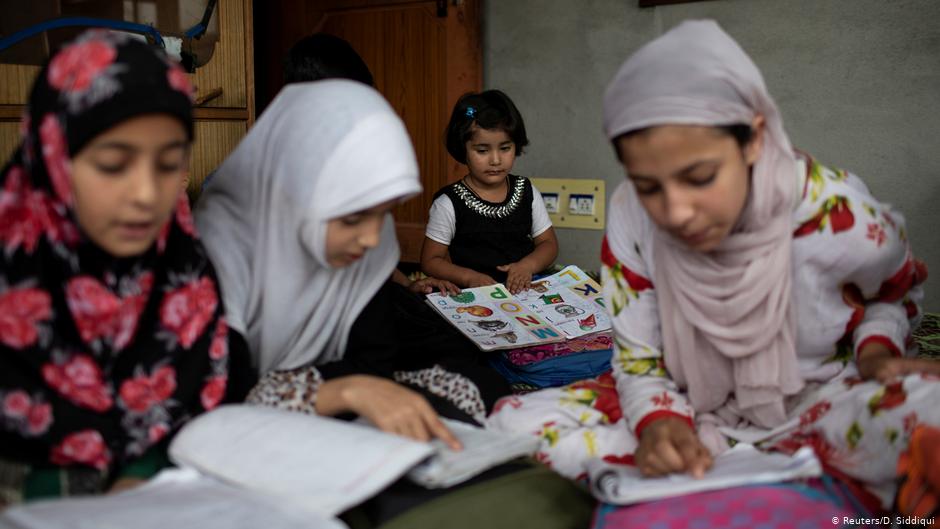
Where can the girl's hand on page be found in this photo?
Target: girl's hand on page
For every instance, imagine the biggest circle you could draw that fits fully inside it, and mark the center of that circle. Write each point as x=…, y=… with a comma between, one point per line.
x=670, y=445
x=480, y=280
x=886, y=368
x=876, y=361
x=518, y=277
x=396, y=409
x=430, y=284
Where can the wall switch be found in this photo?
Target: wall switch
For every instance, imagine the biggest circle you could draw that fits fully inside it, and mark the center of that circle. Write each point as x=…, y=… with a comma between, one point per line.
x=573, y=202
x=551, y=202
x=581, y=204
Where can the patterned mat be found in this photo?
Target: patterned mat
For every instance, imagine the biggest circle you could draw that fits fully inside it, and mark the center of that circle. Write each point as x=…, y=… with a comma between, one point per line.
x=927, y=335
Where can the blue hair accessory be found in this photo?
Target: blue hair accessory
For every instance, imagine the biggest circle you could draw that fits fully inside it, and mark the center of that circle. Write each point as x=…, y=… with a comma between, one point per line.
x=471, y=112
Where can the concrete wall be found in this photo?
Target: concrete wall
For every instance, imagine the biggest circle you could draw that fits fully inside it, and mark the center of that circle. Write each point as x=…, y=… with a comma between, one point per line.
x=857, y=81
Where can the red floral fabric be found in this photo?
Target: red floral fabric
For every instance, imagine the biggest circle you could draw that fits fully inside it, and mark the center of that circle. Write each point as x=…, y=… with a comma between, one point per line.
x=144, y=392
x=26, y=215
x=86, y=447
x=22, y=310
x=187, y=310
x=23, y=413
x=179, y=81
x=81, y=381
x=100, y=357
x=213, y=392
x=99, y=313
x=77, y=66
x=55, y=154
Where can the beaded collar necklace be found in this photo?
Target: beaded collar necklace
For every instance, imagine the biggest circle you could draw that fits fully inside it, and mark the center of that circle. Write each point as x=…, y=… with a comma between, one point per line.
x=487, y=209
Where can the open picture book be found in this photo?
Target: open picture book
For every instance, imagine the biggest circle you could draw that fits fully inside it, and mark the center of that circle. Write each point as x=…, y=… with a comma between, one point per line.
x=247, y=466
x=564, y=305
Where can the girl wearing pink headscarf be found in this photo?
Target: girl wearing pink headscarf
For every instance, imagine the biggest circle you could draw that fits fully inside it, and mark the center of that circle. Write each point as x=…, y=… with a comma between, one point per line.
x=756, y=293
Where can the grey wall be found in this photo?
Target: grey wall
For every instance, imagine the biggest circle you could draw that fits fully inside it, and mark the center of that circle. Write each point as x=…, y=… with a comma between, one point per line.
x=857, y=81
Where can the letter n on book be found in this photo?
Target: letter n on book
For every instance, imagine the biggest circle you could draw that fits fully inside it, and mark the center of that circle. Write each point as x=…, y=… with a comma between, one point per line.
x=530, y=320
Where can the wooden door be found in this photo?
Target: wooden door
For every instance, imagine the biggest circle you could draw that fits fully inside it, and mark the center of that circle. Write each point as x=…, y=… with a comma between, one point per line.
x=423, y=55
x=221, y=122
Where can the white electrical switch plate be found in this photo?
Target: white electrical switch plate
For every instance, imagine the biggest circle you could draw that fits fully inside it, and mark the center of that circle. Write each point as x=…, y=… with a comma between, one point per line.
x=551, y=202
x=573, y=202
x=580, y=204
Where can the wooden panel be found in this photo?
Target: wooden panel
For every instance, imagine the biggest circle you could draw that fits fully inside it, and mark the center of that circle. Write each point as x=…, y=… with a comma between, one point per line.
x=248, y=52
x=214, y=141
x=410, y=239
x=227, y=68
x=405, y=48
x=9, y=140
x=15, y=82
x=11, y=112
x=421, y=62
x=464, y=65
x=221, y=113
x=653, y=3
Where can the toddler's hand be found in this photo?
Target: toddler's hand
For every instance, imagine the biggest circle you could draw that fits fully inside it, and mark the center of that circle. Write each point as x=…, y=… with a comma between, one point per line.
x=481, y=280
x=429, y=284
x=670, y=445
x=518, y=277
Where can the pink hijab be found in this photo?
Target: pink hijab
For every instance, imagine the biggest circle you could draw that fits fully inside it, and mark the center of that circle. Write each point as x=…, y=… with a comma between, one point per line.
x=727, y=319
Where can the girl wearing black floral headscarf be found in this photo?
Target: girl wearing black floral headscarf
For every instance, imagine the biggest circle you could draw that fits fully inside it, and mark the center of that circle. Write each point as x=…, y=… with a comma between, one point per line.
x=111, y=327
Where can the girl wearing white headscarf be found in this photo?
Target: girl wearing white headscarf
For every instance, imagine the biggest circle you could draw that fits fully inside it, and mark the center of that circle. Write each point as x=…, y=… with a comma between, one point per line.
x=299, y=220
x=749, y=287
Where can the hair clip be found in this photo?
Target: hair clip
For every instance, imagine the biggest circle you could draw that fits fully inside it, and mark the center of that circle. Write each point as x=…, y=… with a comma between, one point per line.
x=471, y=112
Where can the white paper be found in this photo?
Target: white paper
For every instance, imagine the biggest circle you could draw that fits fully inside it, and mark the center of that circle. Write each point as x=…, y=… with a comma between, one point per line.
x=321, y=464
x=482, y=449
x=174, y=499
x=741, y=465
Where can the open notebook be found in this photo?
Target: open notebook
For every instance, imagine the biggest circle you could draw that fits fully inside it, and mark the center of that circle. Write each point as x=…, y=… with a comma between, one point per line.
x=741, y=465
x=174, y=499
x=245, y=466
x=327, y=465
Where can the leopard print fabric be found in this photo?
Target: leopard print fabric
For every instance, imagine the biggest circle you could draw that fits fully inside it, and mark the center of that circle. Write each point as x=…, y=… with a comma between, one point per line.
x=456, y=388
x=292, y=390
x=296, y=389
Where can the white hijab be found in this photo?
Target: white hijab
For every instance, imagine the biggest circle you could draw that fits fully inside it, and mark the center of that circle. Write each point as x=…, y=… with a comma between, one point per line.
x=727, y=320
x=321, y=150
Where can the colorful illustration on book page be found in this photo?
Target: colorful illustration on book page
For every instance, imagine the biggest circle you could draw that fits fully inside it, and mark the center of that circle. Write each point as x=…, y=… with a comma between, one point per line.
x=494, y=320
x=569, y=300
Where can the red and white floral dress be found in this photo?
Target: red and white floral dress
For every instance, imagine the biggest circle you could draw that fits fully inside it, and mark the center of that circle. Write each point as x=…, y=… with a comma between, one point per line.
x=854, y=281
x=101, y=358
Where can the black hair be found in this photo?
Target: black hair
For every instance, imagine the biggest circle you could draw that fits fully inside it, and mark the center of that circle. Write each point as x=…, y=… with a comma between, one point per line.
x=741, y=132
x=324, y=56
x=491, y=109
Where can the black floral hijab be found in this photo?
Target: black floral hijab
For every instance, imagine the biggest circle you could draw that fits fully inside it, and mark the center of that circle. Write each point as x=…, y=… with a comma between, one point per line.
x=100, y=357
